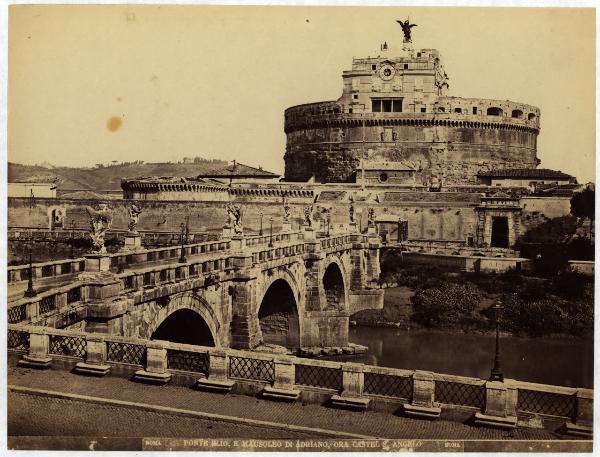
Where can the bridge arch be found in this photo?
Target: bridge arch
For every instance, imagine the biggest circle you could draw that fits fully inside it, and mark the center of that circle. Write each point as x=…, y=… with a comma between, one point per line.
x=334, y=284
x=279, y=312
x=192, y=316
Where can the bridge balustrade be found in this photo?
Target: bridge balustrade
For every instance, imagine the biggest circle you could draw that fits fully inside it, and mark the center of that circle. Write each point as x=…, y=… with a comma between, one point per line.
x=47, y=304
x=307, y=374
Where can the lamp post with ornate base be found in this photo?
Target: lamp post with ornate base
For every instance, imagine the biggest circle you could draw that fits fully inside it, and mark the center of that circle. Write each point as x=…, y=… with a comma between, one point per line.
x=182, y=258
x=271, y=232
x=30, y=292
x=496, y=373
x=260, y=232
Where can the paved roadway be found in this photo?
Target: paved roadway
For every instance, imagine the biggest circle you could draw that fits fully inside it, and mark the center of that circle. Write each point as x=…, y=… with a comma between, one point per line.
x=245, y=408
x=34, y=415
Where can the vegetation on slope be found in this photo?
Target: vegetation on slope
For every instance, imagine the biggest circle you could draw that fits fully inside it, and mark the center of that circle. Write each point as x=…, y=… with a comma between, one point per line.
x=106, y=177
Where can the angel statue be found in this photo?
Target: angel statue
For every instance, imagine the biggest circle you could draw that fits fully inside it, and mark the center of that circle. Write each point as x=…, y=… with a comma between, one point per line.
x=441, y=78
x=308, y=209
x=134, y=216
x=371, y=217
x=286, y=211
x=234, y=218
x=351, y=212
x=100, y=222
x=406, y=26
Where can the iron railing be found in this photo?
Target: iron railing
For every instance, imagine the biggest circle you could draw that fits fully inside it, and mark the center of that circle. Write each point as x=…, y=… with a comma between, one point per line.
x=134, y=354
x=455, y=393
x=317, y=376
x=197, y=362
x=388, y=385
x=548, y=403
x=18, y=340
x=255, y=369
x=47, y=304
x=72, y=346
x=17, y=314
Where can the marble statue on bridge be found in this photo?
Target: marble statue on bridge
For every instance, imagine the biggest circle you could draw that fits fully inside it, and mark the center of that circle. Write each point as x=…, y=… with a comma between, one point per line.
x=100, y=222
x=234, y=219
x=134, y=215
x=286, y=211
x=308, y=222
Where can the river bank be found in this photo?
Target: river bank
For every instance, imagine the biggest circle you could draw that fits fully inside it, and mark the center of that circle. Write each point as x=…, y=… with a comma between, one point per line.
x=427, y=297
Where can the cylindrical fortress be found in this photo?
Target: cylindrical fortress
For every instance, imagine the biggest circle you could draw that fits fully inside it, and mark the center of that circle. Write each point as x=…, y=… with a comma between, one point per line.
x=395, y=110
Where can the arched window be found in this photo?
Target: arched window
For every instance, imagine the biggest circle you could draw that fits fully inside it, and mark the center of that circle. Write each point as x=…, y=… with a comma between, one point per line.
x=531, y=116
x=494, y=111
x=517, y=114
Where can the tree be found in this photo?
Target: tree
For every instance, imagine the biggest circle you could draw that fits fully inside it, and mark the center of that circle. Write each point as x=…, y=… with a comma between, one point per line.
x=583, y=204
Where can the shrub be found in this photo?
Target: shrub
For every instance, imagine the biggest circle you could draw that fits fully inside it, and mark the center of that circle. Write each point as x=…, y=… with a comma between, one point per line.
x=444, y=305
x=549, y=315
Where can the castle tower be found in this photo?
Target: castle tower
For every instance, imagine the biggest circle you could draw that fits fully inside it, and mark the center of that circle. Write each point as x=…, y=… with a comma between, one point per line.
x=397, y=109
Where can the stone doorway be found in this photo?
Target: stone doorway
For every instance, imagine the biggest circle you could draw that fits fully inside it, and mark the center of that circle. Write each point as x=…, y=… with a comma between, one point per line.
x=499, y=232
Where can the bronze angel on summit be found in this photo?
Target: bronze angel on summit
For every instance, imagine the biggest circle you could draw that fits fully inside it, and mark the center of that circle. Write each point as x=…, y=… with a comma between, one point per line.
x=406, y=26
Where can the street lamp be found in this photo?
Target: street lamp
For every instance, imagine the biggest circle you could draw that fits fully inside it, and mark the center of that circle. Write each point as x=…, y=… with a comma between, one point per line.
x=260, y=232
x=496, y=374
x=271, y=233
x=328, y=220
x=182, y=258
x=187, y=229
x=30, y=292
x=72, y=237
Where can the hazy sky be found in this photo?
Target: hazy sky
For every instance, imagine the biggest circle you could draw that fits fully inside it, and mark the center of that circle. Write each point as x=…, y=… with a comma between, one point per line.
x=91, y=84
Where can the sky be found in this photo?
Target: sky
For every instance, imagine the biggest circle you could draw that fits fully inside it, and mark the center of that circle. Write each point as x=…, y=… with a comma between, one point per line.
x=93, y=84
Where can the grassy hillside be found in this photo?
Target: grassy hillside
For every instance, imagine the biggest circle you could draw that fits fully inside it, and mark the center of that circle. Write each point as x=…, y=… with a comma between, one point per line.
x=106, y=178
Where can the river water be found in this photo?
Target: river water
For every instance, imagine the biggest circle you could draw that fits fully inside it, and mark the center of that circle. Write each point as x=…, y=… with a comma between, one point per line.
x=558, y=361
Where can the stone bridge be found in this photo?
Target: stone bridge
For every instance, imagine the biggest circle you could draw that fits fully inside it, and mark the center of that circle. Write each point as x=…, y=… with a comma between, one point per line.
x=297, y=292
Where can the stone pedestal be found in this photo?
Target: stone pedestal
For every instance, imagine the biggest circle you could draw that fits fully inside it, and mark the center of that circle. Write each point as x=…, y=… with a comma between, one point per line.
x=95, y=358
x=37, y=356
x=372, y=231
x=286, y=227
x=584, y=424
x=133, y=241
x=353, y=381
x=283, y=387
x=309, y=233
x=156, y=365
x=217, y=377
x=100, y=285
x=226, y=233
x=353, y=227
x=500, y=409
x=422, y=405
x=97, y=262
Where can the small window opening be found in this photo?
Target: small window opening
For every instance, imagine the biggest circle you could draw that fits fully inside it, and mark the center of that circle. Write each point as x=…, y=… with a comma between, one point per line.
x=474, y=110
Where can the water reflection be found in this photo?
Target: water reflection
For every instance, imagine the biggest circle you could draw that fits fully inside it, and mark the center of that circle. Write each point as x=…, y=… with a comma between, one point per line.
x=567, y=362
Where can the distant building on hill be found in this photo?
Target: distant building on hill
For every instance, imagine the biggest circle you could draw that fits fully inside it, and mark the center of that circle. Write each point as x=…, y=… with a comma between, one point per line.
x=32, y=188
x=238, y=173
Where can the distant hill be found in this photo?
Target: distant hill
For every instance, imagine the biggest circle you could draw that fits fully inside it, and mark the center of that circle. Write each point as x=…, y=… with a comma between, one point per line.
x=107, y=177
